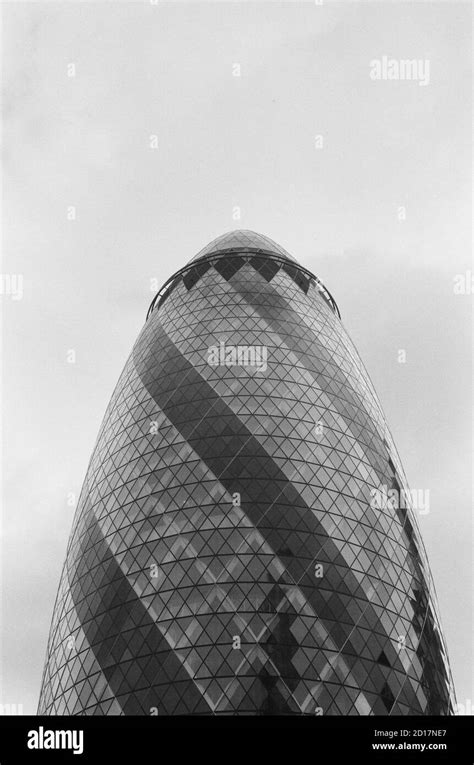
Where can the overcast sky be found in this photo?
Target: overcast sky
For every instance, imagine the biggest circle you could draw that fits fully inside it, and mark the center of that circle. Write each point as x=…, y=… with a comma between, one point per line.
x=378, y=207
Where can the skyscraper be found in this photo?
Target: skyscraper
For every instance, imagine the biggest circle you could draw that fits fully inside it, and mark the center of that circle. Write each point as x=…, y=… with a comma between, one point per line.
x=244, y=541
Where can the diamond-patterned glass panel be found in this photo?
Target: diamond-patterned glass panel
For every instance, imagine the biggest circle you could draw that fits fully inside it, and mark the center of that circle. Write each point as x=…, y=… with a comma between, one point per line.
x=226, y=555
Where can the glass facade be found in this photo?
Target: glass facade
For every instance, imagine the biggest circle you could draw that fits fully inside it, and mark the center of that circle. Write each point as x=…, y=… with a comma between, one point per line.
x=227, y=555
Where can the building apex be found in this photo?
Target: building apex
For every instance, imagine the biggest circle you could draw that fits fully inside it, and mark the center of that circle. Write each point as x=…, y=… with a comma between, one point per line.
x=243, y=239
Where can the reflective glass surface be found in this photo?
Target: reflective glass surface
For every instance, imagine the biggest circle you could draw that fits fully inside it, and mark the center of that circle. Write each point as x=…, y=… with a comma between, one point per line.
x=226, y=556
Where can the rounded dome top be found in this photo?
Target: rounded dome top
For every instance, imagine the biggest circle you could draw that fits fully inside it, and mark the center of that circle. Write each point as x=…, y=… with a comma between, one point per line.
x=228, y=252
x=242, y=239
